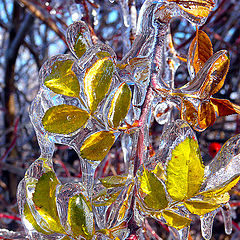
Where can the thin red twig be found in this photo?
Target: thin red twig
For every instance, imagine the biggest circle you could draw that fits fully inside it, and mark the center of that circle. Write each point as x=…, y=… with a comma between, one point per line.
x=8, y=216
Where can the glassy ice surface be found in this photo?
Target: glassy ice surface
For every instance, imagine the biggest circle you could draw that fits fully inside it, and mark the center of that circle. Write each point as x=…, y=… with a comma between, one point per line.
x=98, y=208
x=226, y=212
x=207, y=224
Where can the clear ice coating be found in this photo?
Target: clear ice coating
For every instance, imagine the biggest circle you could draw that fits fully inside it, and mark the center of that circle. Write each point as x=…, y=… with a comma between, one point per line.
x=90, y=99
x=207, y=224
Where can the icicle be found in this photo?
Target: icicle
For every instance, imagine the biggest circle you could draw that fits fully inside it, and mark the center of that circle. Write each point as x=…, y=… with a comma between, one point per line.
x=207, y=224
x=133, y=15
x=126, y=143
x=125, y=13
x=183, y=233
x=75, y=11
x=226, y=212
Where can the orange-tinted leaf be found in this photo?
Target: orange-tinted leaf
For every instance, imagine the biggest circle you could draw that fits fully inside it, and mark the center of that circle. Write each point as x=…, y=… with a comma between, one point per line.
x=97, y=145
x=189, y=112
x=209, y=79
x=200, y=51
x=216, y=74
x=206, y=114
x=197, y=8
x=64, y=119
x=119, y=106
x=224, y=107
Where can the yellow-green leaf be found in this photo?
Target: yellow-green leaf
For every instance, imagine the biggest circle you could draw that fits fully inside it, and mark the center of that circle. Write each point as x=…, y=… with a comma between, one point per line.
x=126, y=202
x=97, y=145
x=175, y=220
x=103, y=54
x=105, y=198
x=62, y=79
x=66, y=238
x=44, y=200
x=227, y=186
x=199, y=207
x=80, y=46
x=30, y=218
x=78, y=38
x=97, y=81
x=80, y=217
x=218, y=199
x=159, y=171
x=113, y=181
x=64, y=119
x=119, y=106
x=185, y=170
x=152, y=191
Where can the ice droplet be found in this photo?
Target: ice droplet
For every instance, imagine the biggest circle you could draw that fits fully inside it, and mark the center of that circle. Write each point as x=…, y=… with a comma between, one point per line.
x=226, y=213
x=162, y=113
x=181, y=234
x=207, y=224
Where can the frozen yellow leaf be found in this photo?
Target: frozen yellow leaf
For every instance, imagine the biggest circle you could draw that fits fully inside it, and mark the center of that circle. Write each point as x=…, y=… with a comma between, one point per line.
x=97, y=145
x=113, y=181
x=80, y=45
x=175, y=220
x=80, y=216
x=199, y=207
x=185, y=170
x=152, y=191
x=105, y=198
x=30, y=218
x=126, y=203
x=97, y=81
x=44, y=199
x=64, y=119
x=218, y=199
x=78, y=38
x=159, y=171
x=66, y=238
x=119, y=106
x=227, y=186
x=62, y=80
x=103, y=54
